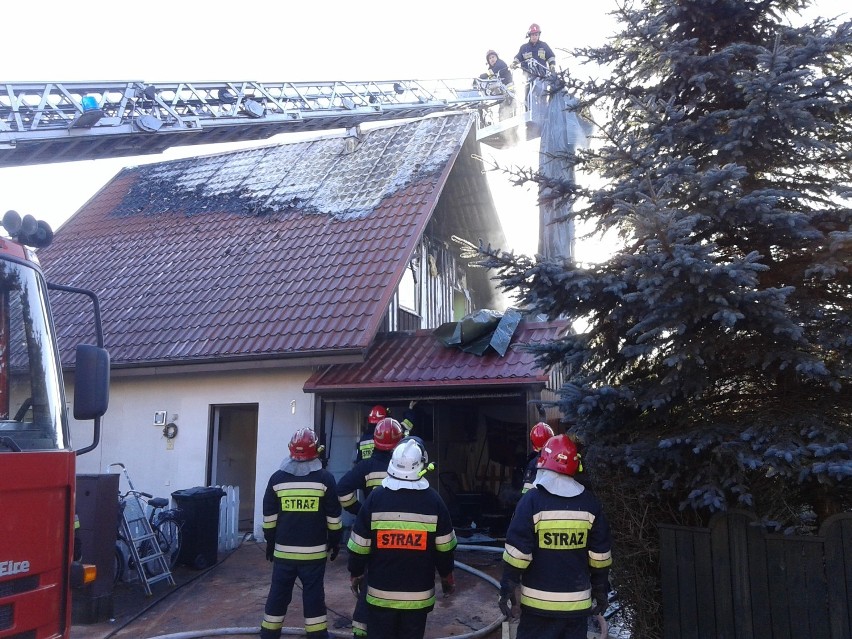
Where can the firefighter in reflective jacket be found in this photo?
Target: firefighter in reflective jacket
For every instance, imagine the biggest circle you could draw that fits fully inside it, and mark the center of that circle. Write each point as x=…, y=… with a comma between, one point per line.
x=366, y=475
x=403, y=534
x=535, y=55
x=302, y=527
x=539, y=434
x=365, y=444
x=558, y=548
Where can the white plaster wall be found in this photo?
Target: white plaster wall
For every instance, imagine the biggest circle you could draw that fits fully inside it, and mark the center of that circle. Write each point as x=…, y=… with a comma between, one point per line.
x=129, y=436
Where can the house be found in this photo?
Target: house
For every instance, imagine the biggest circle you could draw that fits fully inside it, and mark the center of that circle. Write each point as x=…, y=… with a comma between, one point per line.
x=250, y=293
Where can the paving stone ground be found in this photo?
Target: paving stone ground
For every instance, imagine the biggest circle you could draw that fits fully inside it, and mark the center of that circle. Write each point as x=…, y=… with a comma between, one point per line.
x=232, y=593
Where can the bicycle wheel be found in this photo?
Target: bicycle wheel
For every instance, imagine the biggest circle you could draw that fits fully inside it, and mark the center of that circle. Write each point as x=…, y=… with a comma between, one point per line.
x=148, y=549
x=122, y=557
x=169, y=538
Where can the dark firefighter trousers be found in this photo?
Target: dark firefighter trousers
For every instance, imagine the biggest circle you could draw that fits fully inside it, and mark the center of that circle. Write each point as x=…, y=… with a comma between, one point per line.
x=533, y=626
x=391, y=623
x=284, y=573
x=360, y=615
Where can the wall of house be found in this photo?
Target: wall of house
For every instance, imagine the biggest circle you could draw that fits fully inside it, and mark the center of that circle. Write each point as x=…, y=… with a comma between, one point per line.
x=129, y=435
x=433, y=290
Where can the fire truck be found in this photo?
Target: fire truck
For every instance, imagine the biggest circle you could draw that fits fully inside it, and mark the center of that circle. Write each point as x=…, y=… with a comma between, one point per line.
x=58, y=122
x=37, y=462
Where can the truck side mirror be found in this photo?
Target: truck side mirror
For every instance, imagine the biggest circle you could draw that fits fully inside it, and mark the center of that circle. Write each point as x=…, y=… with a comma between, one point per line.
x=91, y=382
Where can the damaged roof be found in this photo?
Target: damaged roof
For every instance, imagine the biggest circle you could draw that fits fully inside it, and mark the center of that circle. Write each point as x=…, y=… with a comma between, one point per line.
x=420, y=360
x=290, y=250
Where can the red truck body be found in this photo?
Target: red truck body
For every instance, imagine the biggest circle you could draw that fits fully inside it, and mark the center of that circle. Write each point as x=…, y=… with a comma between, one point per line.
x=36, y=529
x=37, y=463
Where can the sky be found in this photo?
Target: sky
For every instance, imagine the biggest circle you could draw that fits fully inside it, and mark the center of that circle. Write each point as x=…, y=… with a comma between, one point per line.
x=276, y=41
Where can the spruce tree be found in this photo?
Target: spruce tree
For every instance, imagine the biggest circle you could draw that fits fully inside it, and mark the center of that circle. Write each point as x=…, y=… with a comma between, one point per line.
x=717, y=360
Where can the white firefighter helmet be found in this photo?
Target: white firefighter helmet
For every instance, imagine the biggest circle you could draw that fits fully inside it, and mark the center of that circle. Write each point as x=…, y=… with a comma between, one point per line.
x=409, y=460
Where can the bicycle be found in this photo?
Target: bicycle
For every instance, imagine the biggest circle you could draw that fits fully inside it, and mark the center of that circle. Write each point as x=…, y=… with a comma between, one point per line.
x=165, y=523
x=168, y=524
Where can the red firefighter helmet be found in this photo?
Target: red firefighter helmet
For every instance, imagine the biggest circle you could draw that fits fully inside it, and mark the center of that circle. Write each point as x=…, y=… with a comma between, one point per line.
x=560, y=455
x=387, y=435
x=539, y=435
x=377, y=414
x=303, y=445
x=534, y=29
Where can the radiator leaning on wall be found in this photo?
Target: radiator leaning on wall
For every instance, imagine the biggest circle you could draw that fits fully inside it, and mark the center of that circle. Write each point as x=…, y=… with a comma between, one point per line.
x=229, y=517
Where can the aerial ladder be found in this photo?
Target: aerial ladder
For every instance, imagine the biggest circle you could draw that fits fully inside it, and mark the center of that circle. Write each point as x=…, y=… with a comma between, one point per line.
x=47, y=122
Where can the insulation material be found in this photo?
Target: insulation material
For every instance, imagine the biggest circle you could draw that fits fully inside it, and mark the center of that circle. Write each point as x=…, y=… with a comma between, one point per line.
x=478, y=331
x=562, y=132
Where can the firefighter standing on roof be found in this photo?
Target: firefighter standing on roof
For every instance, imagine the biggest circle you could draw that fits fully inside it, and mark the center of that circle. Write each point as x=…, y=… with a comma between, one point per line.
x=403, y=534
x=558, y=548
x=366, y=475
x=535, y=56
x=302, y=527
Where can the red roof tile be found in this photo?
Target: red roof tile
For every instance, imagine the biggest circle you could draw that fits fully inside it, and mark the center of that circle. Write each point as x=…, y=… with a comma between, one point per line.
x=419, y=359
x=281, y=251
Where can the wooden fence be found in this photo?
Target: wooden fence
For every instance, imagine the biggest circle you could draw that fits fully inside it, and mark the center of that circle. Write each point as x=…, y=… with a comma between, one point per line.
x=735, y=581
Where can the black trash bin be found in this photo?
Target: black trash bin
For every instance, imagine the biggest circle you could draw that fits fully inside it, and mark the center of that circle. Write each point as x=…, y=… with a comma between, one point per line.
x=200, y=533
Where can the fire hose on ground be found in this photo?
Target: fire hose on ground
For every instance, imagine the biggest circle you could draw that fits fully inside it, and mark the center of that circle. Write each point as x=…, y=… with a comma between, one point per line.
x=300, y=632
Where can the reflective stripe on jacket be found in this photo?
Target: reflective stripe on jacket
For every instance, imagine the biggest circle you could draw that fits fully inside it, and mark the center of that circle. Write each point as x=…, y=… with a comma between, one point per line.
x=302, y=515
x=401, y=537
x=560, y=547
x=366, y=475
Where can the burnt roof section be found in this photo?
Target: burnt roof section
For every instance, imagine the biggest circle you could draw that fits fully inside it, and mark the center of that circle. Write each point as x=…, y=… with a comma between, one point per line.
x=290, y=250
x=419, y=360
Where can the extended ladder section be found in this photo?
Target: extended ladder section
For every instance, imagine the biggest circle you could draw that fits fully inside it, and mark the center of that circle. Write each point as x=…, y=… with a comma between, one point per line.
x=147, y=557
x=59, y=122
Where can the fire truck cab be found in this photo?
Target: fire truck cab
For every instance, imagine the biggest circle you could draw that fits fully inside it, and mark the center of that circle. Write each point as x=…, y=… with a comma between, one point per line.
x=37, y=462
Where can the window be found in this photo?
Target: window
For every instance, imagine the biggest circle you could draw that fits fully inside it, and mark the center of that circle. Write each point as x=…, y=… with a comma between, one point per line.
x=408, y=288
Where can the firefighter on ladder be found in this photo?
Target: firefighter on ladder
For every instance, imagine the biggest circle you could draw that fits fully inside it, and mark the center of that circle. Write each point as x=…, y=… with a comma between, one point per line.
x=302, y=527
x=499, y=70
x=403, y=534
x=366, y=475
x=558, y=549
x=535, y=56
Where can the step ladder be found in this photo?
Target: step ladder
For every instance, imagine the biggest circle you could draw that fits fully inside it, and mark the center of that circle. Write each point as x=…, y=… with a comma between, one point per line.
x=148, y=559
